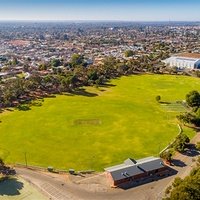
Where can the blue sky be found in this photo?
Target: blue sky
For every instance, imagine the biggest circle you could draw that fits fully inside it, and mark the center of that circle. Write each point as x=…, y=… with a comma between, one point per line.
x=128, y=10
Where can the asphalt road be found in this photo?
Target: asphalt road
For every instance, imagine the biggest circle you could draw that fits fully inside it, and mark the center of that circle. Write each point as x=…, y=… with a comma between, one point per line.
x=56, y=188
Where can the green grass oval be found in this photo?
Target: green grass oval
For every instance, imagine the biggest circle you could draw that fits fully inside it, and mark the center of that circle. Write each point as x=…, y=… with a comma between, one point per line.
x=89, y=131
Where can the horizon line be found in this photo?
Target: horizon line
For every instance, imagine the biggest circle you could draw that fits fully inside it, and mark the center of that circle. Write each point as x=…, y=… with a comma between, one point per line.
x=93, y=20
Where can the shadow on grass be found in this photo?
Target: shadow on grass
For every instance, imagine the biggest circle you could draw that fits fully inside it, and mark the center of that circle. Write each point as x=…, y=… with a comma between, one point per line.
x=36, y=103
x=27, y=107
x=82, y=92
x=164, y=102
x=10, y=187
x=9, y=109
x=68, y=94
x=102, y=90
x=107, y=85
x=195, y=128
x=51, y=96
x=23, y=107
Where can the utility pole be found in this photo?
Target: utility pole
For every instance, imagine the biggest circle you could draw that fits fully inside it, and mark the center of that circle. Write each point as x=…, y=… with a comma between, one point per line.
x=25, y=159
x=159, y=148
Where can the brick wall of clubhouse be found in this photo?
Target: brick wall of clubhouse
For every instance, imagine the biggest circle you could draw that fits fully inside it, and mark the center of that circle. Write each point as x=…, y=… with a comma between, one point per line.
x=137, y=177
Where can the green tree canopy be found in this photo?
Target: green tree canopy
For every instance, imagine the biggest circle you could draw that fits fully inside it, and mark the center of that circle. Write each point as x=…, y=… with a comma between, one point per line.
x=193, y=98
x=181, y=142
x=1, y=162
x=129, y=53
x=186, y=189
x=167, y=155
x=55, y=62
x=198, y=146
x=77, y=60
x=158, y=98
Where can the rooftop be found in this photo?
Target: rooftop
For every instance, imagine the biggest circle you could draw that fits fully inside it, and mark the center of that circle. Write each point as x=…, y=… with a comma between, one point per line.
x=189, y=55
x=132, y=167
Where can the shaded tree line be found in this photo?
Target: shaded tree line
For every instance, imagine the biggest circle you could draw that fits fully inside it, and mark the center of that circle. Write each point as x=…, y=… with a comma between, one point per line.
x=193, y=116
x=5, y=171
x=187, y=188
x=180, y=144
x=67, y=77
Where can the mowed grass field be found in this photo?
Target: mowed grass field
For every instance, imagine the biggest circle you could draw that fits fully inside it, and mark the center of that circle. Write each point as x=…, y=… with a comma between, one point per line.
x=98, y=128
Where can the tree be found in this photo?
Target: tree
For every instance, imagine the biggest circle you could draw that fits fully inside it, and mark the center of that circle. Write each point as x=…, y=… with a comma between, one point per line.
x=1, y=162
x=158, y=98
x=55, y=62
x=110, y=67
x=198, y=146
x=15, y=61
x=185, y=189
x=129, y=53
x=186, y=118
x=167, y=155
x=190, y=118
x=64, y=83
x=193, y=98
x=122, y=68
x=13, y=90
x=77, y=60
x=110, y=62
x=65, y=37
x=44, y=66
x=181, y=142
x=92, y=75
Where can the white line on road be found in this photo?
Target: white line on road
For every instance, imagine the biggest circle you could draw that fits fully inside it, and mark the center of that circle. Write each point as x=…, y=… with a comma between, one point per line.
x=53, y=192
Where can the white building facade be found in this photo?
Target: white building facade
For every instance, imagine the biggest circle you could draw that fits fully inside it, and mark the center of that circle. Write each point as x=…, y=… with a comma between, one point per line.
x=182, y=62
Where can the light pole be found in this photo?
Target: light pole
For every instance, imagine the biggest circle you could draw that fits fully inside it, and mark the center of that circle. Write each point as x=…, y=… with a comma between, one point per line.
x=25, y=159
x=159, y=148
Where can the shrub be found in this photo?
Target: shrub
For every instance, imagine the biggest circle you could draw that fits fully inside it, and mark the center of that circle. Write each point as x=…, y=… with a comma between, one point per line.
x=158, y=98
x=181, y=142
x=167, y=155
x=198, y=146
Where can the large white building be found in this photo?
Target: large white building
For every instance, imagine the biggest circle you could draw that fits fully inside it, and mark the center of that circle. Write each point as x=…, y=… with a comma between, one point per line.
x=184, y=61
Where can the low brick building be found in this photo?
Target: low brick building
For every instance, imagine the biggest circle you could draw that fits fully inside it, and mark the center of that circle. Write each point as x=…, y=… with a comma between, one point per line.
x=134, y=170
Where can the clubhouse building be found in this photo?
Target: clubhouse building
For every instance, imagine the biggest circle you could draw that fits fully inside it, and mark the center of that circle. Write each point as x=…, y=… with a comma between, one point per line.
x=135, y=170
x=190, y=61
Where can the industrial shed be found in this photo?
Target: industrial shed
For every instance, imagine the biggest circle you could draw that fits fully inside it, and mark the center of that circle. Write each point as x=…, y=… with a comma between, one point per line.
x=134, y=170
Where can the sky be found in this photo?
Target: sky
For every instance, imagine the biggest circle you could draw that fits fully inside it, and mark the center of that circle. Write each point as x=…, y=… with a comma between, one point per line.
x=119, y=10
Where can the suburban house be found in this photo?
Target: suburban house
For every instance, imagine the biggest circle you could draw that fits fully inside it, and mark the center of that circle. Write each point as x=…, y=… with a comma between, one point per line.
x=184, y=61
x=135, y=170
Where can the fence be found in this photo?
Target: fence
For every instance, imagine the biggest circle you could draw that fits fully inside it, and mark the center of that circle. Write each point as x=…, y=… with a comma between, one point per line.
x=38, y=168
x=171, y=144
x=50, y=169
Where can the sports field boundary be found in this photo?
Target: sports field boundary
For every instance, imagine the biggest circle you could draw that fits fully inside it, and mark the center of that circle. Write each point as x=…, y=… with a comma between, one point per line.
x=39, y=168
x=45, y=169
x=171, y=144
